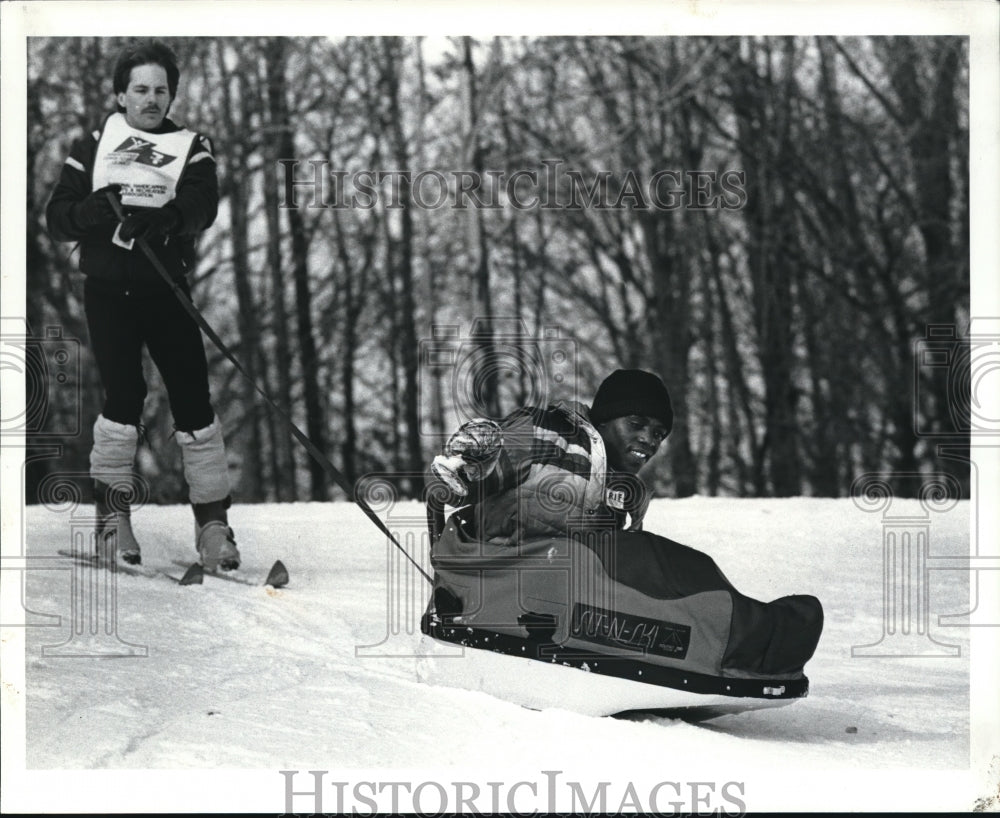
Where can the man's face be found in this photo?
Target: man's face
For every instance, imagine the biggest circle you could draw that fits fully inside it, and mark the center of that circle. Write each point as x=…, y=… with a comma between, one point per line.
x=631, y=441
x=147, y=98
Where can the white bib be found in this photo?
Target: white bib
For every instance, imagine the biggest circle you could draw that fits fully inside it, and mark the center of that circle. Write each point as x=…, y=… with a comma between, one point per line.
x=148, y=166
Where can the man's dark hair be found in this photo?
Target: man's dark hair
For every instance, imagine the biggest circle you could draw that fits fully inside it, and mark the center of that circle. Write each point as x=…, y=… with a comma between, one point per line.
x=146, y=52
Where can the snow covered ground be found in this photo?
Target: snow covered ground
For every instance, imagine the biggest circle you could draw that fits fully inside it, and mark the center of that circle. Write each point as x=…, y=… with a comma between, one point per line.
x=238, y=683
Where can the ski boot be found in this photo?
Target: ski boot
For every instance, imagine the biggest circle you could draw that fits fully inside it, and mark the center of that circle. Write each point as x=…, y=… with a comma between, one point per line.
x=114, y=526
x=214, y=538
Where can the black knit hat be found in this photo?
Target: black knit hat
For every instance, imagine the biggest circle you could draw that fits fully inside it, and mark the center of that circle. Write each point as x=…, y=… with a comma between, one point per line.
x=632, y=392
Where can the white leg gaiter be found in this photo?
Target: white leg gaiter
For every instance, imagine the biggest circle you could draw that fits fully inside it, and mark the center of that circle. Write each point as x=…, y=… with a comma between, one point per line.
x=205, y=468
x=112, y=459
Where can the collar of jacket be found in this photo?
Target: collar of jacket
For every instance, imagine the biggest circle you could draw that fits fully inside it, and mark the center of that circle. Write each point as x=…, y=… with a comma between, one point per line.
x=167, y=126
x=594, y=493
x=597, y=485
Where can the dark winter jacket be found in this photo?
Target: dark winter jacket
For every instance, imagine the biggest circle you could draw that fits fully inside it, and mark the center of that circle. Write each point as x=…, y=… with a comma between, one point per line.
x=551, y=476
x=196, y=201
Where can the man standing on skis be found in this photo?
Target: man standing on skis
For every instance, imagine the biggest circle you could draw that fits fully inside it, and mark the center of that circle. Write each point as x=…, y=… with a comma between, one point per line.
x=165, y=178
x=526, y=482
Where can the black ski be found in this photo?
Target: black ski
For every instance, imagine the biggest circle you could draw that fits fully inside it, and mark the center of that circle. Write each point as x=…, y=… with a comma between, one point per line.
x=277, y=577
x=189, y=577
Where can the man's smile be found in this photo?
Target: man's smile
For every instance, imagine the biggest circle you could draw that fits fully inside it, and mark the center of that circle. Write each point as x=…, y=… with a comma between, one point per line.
x=639, y=453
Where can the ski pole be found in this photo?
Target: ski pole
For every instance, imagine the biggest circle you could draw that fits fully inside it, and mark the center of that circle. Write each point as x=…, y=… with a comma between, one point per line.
x=310, y=447
x=435, y=518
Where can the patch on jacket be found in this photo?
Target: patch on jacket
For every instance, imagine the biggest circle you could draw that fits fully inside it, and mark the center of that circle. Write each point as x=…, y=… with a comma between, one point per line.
x=615, y=498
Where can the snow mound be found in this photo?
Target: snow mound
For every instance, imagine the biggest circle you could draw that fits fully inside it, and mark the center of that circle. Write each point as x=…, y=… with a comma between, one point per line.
x=323, y=674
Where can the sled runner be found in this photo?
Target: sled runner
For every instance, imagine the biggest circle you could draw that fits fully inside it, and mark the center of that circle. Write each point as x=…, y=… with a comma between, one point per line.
x=551, y=683
x=549, y=624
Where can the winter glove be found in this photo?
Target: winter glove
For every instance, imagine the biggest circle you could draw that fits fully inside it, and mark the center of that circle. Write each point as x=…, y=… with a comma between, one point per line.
x=470, y=455
x=145, y=224
x=96, y=210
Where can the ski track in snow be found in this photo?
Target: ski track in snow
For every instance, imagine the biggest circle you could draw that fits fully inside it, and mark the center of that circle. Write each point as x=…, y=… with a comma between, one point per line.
x=249, y=677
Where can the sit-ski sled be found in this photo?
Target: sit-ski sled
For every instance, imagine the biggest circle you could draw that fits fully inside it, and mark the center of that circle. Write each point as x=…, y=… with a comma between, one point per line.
x=544, y=626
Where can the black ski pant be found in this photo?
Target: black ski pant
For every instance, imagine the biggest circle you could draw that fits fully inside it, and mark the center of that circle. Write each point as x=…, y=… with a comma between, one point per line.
x=765, y=637
x=120, y=325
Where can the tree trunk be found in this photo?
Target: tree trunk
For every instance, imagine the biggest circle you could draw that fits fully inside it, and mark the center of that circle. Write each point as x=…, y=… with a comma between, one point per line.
x=754, y=99
x=233, y=160
x=479, y=248
x=929, y=137
x=308, y=358
x=404, y=258
x=283, y=452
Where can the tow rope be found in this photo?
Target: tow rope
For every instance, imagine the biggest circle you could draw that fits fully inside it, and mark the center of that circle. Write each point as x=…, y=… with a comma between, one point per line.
x=318, y=456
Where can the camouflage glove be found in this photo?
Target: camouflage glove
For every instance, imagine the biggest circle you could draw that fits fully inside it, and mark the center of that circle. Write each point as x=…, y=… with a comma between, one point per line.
x=470, y=455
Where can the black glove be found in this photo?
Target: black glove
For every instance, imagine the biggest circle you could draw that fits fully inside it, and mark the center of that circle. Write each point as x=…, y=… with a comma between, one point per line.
x=145, y=224
x=96, y=210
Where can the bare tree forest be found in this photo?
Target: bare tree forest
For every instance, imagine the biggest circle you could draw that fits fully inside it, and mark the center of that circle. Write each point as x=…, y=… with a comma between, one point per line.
x=809, y=223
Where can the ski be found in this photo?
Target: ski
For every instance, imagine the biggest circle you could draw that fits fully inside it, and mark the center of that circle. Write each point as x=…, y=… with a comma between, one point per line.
x=194, y=572
x=94, y=560
x=277, y=577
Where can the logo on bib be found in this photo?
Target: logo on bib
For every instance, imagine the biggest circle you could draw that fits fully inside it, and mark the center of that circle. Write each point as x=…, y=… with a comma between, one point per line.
x=142, y=151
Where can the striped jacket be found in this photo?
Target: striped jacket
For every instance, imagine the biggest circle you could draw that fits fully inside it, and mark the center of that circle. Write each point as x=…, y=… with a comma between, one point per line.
x=551, y=475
